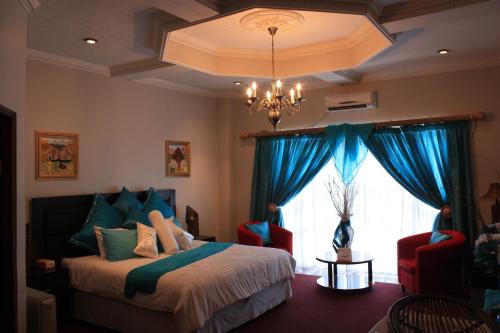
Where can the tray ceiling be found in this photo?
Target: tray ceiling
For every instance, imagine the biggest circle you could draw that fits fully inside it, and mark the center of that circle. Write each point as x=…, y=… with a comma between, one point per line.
x=321, y=42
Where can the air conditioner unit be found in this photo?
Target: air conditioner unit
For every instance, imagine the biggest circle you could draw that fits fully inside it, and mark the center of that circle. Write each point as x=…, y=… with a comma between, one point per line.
x=351, y=101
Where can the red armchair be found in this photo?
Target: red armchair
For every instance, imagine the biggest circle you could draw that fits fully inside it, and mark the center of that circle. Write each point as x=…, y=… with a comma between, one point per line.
x=280, y=237
x=426, y=268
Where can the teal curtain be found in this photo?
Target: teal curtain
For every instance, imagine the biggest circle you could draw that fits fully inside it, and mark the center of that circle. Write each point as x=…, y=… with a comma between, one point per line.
x=347, y=147
x=433, y=163
x=283, y=166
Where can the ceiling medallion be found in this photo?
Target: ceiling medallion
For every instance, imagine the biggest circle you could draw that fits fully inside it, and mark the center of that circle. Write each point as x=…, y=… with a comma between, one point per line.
x=263, y=19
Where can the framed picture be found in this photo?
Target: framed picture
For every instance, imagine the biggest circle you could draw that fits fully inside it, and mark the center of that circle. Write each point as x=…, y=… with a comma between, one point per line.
x=56, y=155
x=178, y=158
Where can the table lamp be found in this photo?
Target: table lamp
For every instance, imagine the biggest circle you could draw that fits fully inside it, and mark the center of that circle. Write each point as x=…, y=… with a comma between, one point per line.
x=493, y=194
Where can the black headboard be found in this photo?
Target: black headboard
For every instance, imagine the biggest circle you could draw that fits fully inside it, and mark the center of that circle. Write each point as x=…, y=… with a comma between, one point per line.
x=55, y=219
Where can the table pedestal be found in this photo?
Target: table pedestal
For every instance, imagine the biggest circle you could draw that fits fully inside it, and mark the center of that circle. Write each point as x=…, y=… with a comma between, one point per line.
x=347, y=281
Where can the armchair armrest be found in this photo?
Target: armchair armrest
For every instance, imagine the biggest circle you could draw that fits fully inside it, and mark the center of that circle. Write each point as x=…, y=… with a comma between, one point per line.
x=281, y=237
x=246, y=237
x=407, y=246
x=439, y=265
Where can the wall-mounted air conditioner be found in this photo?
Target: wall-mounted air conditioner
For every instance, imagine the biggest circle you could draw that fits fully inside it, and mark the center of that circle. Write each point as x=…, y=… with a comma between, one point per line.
x=351, y=101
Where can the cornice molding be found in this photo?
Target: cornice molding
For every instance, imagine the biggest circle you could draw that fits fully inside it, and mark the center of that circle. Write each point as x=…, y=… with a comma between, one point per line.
x=58, y=60
x=410, y=9
x=417, y=72
x=138, y=67
x=178, y=87
x=30, y=5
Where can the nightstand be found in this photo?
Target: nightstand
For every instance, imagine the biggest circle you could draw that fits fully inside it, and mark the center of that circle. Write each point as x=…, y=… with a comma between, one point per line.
x=205, y=238
x=53, y=281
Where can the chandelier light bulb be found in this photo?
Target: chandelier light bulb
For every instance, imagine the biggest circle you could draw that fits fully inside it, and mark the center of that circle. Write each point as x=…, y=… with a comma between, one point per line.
x=268, y=95
x=249, y=92
x=299, y=88
x=278, y=84
x=292, y=96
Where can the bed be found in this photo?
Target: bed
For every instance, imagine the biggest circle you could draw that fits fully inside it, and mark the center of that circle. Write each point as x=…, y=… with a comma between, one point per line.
x=215, y=294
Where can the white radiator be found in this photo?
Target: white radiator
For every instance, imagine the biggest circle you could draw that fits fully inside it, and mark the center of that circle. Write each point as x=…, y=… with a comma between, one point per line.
x=41, y=308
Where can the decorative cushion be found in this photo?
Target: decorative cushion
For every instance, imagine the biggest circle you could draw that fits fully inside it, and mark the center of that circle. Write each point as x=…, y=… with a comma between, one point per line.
x=102, y=215
x=155, y=202
x=135, y=215
x=126, y=200
x=119, y=244
x=100, y=240
x=164, y=233
x=146, y=241
x=438, y=237
x=261, y=229
x=183, y=238
x=408, y=265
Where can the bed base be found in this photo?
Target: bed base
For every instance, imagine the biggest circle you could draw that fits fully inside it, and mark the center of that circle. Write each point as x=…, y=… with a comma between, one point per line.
x=129, y=318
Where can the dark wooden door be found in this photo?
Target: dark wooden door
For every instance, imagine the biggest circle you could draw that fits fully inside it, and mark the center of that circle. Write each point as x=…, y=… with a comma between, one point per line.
x=8, y=278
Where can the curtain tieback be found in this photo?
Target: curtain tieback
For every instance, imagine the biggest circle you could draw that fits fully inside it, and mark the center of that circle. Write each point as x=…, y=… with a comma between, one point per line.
x=446, y=211
x=272, y=207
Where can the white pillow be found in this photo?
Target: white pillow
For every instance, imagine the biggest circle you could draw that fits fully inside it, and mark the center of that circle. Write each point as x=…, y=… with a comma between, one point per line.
x=146, y=241
x=164, y=233
x=183, y=238
x=100, y=240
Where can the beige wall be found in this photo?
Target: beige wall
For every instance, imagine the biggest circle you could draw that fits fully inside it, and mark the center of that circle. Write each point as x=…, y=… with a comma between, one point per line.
x=13, y=32
x=123, y=127
x=426, y=96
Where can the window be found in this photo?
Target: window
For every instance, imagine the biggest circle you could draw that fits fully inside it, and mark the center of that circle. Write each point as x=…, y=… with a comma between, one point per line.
x=383, y=213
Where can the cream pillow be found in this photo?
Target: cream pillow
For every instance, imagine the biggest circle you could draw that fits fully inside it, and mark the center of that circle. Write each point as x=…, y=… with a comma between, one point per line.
x=146, y=241
x=100, y=240
x=183, y=238
x=164, y=233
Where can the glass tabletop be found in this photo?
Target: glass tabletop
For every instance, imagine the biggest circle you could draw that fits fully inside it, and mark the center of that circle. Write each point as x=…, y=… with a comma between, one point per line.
x=330, y=256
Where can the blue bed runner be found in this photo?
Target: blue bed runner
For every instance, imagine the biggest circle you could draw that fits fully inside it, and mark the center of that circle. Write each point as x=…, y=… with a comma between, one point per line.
x=144, y=279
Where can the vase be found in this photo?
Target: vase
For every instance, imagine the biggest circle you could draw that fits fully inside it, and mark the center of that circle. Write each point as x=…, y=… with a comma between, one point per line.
x=343, y=235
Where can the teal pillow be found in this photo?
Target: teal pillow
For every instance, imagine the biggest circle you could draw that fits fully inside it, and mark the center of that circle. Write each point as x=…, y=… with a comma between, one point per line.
x=126, y=200
x=155, y=202
x=261, y=229
x=102, y=215
x=135, y=215
x=437, y=237
x=119, y=244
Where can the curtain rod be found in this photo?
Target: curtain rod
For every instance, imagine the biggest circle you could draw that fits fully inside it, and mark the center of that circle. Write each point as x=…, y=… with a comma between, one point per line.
x=317, y=130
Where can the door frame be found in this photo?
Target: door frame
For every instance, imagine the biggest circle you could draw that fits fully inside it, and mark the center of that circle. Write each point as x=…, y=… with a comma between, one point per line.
x=9, y=232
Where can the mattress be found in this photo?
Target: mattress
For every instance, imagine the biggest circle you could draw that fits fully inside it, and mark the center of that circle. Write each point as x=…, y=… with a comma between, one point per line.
x=191, y=294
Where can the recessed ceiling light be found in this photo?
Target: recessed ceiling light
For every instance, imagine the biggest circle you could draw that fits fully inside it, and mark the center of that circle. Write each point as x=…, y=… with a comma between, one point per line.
x=443, y=51
x=237, y=83
x=90, y=41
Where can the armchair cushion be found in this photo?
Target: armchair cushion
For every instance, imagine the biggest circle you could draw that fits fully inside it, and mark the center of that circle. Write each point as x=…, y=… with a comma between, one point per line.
x=438, y=237
x=408, y=265
x=280, y=237
x=262, y=230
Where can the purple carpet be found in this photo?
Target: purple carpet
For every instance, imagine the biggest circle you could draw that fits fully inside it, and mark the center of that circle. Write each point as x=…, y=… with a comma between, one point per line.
x=316, y=309
x=312, y=309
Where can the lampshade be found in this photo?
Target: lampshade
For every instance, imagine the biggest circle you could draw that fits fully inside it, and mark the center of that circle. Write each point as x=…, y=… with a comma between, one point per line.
x=493, y=192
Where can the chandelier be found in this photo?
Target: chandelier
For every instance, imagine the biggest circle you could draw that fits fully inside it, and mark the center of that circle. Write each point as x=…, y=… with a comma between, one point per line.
x=275, y=103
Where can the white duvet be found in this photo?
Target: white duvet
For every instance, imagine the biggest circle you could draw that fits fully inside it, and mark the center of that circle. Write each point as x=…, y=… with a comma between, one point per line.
x=194, y=292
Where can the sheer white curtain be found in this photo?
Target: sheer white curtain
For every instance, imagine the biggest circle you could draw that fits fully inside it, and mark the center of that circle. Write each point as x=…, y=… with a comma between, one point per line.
x=383, y=213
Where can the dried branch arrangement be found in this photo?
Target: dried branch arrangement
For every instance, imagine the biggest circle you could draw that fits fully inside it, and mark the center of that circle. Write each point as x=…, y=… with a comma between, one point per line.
x=342, y=196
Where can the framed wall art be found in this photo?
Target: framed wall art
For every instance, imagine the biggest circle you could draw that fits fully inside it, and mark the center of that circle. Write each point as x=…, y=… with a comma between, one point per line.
x=56, y=155
x=178, y=158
